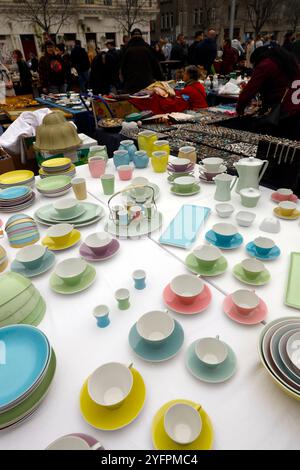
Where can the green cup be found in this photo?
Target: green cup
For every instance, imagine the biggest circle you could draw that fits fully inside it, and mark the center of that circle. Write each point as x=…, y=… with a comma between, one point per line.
x=122, y=297
x=108, y=184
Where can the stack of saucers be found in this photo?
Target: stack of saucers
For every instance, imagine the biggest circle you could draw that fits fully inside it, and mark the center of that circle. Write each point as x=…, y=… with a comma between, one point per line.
x=54, y=186
x=16, y=198
x=26, y=377
x=20, y=301
x=21, y=230
x=57, y=166
x=3, y=259
x=180, y=167
x=279, y=350
x=17, y=178
x=69, y=210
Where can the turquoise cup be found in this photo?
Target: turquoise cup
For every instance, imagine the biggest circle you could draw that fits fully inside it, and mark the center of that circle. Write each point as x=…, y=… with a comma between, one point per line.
x=121, y=157
x=129, y=147
x=140, y=159
x=101, y=313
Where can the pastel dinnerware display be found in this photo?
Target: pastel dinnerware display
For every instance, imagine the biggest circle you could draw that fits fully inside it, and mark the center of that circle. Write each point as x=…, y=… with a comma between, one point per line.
x=140, y=159
x=67, y=209
x=139, y=278
x=245, y=307
x=121, y=157
x=122, y=297
x=97, y=166
x=161, y=146
x=146, y=140
x=129, y=147
x=110, y=384
x=173, y=423
x=108, y=184
x=188, y=153
x=224, y=210
x=76, y=441
x=21, y=230
x=101, y=313
x=284, y=194
x=250, y=171
x=16, y=198
x=125, y=172
x=224, y=185
x=54, y=186
x=159, y=161
x=79, y=188
x=249, y=197
x=17, y=178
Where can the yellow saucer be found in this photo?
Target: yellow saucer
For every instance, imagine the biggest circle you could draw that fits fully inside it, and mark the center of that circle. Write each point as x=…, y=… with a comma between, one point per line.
x=161, y=440
x=106, y=419
x=294, y=216
x=16, y=176
x=56, y=162
x=74, y=238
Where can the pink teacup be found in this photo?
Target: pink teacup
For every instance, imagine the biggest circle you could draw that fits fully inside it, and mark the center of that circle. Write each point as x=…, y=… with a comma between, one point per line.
x=186, y=287
x=245, y=301
x=125, y=172
x=97, y=166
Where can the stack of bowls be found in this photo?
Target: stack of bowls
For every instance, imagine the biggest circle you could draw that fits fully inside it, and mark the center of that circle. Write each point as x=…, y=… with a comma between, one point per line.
x=26, y=377
x=20, y=301
x=57, y=166
x=17, y=178
x=180, y=167
x=3, y=259
x=279, y=350
x=21, y=231
x=16, y=198
x=54, y=186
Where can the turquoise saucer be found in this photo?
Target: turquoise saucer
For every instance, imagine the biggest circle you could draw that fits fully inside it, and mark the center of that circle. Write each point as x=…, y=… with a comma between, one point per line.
x=273, y=253
x=216, y=374
x=235, y=241
x=260, y=280
x=47, y=263
x=219, y=268
x=156, y=353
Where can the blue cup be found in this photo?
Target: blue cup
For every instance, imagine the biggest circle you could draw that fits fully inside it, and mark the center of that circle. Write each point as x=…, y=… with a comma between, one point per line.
x=140, y=159
x=129, y=147
x=139, y=277
x=121, y=157
x=101, y=313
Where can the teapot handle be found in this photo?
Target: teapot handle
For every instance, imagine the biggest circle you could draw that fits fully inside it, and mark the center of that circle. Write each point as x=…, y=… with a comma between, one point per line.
x=233, y=183
x=263, y=169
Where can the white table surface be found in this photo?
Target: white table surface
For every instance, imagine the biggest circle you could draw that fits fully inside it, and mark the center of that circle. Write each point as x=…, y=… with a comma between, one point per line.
x=247, y=412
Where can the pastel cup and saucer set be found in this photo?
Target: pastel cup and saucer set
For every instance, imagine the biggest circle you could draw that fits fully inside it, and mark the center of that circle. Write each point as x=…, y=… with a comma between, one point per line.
x=206, y=260
x=180, y=165
x=252, y=271
x=185, y=186
x=112, y=396
x=67, y=209
x=99, y=246
x=182, y=425
x=156, y=336
x=71, y=276
x=245, y=307
x=287, y=210
x=263, y=248
x=224, y=236
x=60, y=237
x=210, y=168
x=33, y=260
x=187, y=294
x=283, y=194
x=211, y=360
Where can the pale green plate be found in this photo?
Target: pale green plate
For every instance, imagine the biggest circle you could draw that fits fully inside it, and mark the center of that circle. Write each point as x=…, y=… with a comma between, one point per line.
x=53, y=183
x=292, y=295
x=219, y=268
x=194, y=190
x=86, y=281
x=261, y=280
x=91, y=211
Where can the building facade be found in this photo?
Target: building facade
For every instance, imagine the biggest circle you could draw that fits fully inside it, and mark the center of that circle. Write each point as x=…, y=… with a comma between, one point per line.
x=88, y=20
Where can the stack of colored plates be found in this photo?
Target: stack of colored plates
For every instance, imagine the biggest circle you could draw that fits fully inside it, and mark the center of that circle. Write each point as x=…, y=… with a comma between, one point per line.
x=279, y=350
x=26, y=375
x=16, y=198
x=54, y=186
x=21, y=230
x=3, y=259
x=20, y=301
x=17, y=178
x=57, y=166
x=89, y=213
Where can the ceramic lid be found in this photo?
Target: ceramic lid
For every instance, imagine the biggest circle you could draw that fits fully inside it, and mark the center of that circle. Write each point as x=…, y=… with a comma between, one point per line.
x=250, y=192
x=250, y=161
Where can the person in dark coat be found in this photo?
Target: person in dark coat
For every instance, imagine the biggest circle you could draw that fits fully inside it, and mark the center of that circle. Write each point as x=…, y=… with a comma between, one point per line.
x=288, y=42
x=100, y=80
x=139, y=67
x=179, y=51
x=25, y=74
x=33, y=62
x=61, y=51
x=296, y=47
x=80, y=61
x=112, y=62
x=52, y=71
x=192, y=55
x=206, y=52
x=230, y=57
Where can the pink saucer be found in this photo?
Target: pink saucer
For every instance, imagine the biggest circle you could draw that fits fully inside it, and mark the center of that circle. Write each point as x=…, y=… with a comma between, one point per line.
x=89, y=255
x=256, y=316
x=201, y=303
x=277, y=198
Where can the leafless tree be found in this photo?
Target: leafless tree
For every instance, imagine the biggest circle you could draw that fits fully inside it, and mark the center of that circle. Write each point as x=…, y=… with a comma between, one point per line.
x=48, y=15
x=292, y=14
x=261, y=11
x=129, y=13
x=209, y=13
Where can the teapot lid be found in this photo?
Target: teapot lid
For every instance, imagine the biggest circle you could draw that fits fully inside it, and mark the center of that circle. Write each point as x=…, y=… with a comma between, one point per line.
x=250, y=161
x=250, y=192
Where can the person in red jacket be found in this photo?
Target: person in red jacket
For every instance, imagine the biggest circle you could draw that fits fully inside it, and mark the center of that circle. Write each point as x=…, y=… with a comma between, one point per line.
x=230, y=57
x=193, y=88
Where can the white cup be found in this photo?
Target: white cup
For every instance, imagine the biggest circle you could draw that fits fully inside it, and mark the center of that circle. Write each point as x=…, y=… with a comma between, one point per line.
x=155, y=327
x=183, y=423
x=211, y=352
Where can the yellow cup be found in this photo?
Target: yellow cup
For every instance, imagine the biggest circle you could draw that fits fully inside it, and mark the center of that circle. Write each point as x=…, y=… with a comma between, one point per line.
x=159, y=161
x=146, y=140
x=161, y=146
x=79, y=188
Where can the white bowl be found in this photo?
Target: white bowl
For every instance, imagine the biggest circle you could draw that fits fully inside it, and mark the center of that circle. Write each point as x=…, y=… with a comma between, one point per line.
x=182, y=423
x=59, y=231
x=211, y=351
x=71, y=270
x=187, y=287
x=293, y=349
x=31, y=255
x=110, y=384
x=155, y=326
x=270, y=225
x=245, y=300
x=224, y=210
x=245, y=218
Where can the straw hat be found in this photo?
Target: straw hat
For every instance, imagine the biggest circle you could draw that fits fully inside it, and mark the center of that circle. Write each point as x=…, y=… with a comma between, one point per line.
x=56, y=134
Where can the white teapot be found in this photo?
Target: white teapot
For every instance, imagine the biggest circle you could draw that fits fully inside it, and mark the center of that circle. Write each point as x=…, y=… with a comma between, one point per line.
x=250, y=171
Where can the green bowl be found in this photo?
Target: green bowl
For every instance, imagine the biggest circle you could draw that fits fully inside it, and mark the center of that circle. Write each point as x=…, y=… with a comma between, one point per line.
x=11, y=285
x=16, y=303
x=20, y=314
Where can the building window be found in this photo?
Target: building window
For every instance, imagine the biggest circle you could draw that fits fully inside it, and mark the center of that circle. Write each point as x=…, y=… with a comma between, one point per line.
x=171, y=20
x=162, y=22
x=167, y=21
x=107, y=2
x=200, y=16
x=213, y=14
x=195, y=16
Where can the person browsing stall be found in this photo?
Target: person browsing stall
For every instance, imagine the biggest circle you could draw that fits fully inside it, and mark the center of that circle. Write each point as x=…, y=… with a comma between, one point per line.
x=193, y=88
